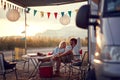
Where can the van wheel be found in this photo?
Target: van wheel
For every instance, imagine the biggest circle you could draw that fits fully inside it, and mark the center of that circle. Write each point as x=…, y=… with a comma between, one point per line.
x=91, y=75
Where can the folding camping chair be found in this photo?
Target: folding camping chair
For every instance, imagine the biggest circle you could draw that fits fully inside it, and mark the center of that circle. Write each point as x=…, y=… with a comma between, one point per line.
x=67, y=60
x=81, y=67
x=6, y=67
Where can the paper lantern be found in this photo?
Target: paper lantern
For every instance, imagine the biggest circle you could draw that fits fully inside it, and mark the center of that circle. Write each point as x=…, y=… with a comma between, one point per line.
x=65, y=20
x=13, y=15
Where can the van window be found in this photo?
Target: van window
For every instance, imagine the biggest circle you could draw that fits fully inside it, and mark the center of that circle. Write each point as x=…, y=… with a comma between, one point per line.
x=111, y=8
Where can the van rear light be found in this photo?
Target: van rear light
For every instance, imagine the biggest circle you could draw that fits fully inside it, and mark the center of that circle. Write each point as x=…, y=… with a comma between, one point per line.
x=111, y=53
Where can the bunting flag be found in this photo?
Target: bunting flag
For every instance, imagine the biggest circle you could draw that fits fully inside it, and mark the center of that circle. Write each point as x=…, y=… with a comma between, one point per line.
x=1, y=2
x=55, y=14
x=35, y=11
x=62, y=13
x=8, y=5
x=13, y=6
x=76, y=10
x=4, y=5
x=28, y=10
x=42, y=13
x=69, y=12
x=48, y=13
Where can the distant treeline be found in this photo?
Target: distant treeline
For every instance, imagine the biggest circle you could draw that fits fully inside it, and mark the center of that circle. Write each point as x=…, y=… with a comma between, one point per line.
x=9, y=43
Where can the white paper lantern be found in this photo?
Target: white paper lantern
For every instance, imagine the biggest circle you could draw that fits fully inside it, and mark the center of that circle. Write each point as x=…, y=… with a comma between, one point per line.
x=65, y=20
x=13, y=15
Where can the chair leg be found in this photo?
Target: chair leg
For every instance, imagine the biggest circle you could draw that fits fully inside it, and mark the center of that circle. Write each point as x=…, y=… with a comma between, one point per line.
x=16, y=74
x=4, y=76
x=28, y=66
x=26, y=62
x=75, y=71
x=24, y=65
x=70, y=72
x=65, y=67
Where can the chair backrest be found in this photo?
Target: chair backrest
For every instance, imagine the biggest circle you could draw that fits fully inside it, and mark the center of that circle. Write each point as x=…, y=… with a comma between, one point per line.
x=85, y=59
x=2, y=69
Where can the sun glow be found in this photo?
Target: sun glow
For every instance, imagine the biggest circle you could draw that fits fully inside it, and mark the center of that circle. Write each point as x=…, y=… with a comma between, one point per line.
x=32, y=30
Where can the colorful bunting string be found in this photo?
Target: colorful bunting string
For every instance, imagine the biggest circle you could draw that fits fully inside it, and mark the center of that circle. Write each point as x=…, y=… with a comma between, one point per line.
x=8, y=5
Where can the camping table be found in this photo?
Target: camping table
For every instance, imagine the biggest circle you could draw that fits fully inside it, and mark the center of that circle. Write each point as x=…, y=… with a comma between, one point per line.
x=34, y=58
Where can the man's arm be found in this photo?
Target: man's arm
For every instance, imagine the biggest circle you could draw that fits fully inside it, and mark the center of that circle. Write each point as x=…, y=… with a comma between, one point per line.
x=66, y=53
x=78, y=43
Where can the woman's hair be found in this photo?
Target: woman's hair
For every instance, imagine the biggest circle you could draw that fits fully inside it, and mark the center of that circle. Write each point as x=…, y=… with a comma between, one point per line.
x=61, y=43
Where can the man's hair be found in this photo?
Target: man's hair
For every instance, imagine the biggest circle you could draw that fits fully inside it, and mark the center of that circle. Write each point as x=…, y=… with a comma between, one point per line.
x=74, y=40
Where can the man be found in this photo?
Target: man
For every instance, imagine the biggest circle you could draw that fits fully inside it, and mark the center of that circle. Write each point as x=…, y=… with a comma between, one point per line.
x=73, y=48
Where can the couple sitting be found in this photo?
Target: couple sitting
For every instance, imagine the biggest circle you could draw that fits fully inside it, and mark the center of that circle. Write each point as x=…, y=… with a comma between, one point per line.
x=63, y=50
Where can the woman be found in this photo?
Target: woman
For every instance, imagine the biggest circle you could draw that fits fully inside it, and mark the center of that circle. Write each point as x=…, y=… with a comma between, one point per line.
x=56, y=52
x=56, y=55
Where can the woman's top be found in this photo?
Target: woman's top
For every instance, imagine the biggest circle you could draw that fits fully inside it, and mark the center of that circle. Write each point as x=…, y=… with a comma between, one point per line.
x=58, y=50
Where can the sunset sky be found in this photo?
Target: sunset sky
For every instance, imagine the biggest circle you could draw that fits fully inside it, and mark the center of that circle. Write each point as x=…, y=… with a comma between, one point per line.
x=37, y=23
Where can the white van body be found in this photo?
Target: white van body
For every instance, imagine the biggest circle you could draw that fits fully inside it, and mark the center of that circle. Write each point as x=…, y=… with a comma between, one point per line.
x=104, y=39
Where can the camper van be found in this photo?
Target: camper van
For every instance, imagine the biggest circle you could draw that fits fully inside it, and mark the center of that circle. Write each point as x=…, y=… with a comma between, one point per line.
x=102, y=20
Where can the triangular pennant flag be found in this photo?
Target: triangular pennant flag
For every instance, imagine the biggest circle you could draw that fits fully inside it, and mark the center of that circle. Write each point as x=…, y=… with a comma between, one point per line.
x=22, y=10
x=48, y=13
x=76, y=10
x=1, y=2
x=55, y=14
x=62, y=13
x=4, y=5
x=28, y=10
x=8, y=5
x=35, y=11
x=42, y=14
x=69, y=12
x=13, y=6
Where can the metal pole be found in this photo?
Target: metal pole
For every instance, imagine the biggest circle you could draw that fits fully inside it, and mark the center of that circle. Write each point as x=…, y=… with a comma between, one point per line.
x=25, y=32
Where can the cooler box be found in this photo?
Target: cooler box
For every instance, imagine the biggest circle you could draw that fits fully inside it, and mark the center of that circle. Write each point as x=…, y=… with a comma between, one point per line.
x=46, y=70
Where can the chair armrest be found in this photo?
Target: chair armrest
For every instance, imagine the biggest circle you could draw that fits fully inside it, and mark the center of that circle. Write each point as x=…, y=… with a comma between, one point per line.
x=12, y=62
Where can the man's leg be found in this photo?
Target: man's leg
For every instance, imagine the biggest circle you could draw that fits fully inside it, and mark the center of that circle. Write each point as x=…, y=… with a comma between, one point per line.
x=58, y=64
